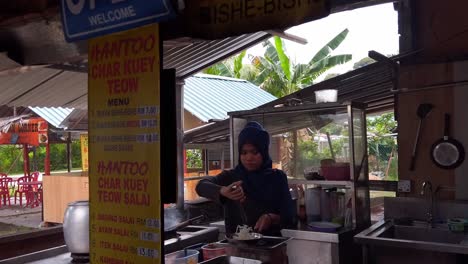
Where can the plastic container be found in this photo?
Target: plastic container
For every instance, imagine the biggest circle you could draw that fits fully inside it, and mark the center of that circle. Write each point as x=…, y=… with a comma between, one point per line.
x=326, y=96
x=325, y=205
x=312, y=204
x=179, y=257
x=337, y=172
x=213, y=250
x=457, y=224
x=197, y=247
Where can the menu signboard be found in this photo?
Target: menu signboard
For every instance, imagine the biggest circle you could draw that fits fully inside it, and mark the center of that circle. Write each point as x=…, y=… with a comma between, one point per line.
x=124, y=147
x=84, y=152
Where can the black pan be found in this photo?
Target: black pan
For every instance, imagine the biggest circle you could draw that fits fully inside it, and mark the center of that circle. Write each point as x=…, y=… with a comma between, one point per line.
x=447, y=153
x=171, y=232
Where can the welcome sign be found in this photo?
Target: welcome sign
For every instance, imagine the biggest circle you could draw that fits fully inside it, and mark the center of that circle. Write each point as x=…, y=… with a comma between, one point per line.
x=83, y=19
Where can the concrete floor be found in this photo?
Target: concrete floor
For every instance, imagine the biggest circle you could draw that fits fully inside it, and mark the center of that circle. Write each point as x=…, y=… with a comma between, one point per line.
x=16, y=218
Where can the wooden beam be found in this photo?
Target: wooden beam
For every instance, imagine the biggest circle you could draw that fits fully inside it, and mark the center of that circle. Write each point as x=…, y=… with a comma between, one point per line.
x=288, y=36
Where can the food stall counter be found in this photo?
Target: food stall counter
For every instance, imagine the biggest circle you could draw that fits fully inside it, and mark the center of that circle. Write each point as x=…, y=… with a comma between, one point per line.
x=59, y=190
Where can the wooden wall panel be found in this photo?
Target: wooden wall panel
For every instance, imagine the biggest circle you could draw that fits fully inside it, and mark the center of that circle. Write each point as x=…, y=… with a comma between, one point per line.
x=441, y=29
x=59, y=191
x=443, y=100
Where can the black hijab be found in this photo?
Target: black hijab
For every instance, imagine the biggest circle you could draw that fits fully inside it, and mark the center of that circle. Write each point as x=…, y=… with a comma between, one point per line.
x=253, y=182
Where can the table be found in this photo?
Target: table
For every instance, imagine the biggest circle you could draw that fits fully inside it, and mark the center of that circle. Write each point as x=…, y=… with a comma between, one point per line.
x=32, y=199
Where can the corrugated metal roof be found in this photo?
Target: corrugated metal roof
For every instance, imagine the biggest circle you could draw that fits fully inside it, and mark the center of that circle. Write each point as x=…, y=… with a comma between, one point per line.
x=66, y=85
x=53, y=115
x=76, y=120
x=7, y=63
x=196, y=55
x=212, y=97
x=43, y=87
x=371, y=84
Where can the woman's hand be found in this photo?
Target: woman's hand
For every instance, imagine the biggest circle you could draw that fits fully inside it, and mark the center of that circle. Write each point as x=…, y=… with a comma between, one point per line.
x=233, y=191
x=266, y=221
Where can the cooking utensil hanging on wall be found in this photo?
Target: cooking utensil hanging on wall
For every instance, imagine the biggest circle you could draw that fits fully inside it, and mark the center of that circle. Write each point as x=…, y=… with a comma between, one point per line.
x=422, y=112
x=447, y=153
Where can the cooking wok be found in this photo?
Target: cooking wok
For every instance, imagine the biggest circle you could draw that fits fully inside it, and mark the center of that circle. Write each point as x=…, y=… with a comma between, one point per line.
x=171, y=232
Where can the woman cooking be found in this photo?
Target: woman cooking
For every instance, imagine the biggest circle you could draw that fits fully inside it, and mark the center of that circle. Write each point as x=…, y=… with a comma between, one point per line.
x=252, y=193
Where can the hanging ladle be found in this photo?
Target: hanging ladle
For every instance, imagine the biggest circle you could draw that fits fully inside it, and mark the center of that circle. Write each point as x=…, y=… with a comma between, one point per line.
x=422, y=112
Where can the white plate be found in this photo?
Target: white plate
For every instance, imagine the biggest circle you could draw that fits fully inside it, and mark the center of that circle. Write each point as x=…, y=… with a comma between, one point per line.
x=253, y=236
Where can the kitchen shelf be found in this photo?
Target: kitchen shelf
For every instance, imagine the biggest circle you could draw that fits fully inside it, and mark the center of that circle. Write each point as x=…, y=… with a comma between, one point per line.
x=322, y=183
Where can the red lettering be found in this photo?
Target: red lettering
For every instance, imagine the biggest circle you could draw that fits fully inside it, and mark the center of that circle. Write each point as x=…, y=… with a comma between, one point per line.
x=123, y=86
x=135, y=184
x=122, y=47
x=109, y=197
x=122, y=168
x=109, y=183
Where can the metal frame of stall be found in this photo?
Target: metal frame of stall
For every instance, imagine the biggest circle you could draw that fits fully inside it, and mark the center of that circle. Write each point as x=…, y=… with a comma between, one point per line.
x=340, y=243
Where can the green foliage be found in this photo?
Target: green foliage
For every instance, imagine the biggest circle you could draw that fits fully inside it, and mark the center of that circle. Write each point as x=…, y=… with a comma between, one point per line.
x=280, y=77
x=11, y=158
x=194, y=158
x=381, y=145
x=233, y=68
x=380, y=126
x=310, y=153
x=275, y=72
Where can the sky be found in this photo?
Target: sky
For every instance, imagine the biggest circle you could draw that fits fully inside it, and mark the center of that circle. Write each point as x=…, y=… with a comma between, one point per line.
x=370, y=28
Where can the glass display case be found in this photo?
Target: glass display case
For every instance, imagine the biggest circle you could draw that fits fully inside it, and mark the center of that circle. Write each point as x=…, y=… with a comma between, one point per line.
x=323, y=150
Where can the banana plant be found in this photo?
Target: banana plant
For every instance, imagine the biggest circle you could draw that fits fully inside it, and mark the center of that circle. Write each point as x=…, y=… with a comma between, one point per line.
x=233, y=68
x=280, y=76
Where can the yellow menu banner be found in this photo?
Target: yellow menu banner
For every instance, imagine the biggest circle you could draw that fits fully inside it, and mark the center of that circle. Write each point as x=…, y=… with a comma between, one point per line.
x=124, y=147
x=84, y=152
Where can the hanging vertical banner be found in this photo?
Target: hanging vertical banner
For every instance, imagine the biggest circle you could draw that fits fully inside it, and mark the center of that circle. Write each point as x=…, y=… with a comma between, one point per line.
x=84, y=152
x=124, y=147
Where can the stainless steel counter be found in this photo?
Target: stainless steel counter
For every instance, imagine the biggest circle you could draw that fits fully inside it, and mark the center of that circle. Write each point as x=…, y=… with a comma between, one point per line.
x=191, y=235
x=310, y=247
x=304, y=234
x=188, y=236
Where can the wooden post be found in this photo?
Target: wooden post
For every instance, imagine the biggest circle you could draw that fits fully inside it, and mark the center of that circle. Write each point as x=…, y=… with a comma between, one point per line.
x=185, y=160
x=47, y=160
x=206, y=162
x=295, y=155
x=26, y=160
x=69, y=165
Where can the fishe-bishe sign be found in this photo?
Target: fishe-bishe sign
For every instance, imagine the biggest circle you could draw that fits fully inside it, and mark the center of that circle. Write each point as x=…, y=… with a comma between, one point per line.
x=83, y=19
x=214, y=19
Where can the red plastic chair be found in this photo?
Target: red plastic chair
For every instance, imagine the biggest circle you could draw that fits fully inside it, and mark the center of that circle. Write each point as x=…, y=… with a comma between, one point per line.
x=35, y=177
x=24, y=189
x=4, y=175
x=5, y=184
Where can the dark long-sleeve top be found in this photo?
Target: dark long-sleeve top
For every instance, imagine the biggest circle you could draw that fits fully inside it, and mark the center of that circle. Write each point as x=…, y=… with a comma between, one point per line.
x=269, y=194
